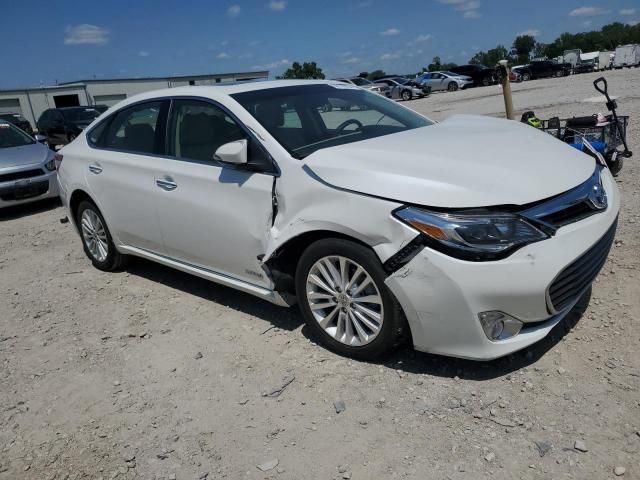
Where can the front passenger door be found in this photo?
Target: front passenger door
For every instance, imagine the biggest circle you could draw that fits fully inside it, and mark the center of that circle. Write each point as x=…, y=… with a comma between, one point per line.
x=212, y=215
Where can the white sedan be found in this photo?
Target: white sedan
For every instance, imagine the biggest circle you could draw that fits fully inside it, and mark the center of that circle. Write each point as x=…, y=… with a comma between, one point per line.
x=449, y=81
x=382, y=224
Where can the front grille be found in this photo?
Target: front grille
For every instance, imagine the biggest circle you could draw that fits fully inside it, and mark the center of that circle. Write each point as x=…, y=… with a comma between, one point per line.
x=575, y=278
x=35, y=189
x=8, y=177
x=581, y=202
x=571, y=214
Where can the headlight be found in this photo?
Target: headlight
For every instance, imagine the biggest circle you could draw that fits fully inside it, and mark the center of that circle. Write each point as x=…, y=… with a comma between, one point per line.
x=472, y=236
x=51, y=164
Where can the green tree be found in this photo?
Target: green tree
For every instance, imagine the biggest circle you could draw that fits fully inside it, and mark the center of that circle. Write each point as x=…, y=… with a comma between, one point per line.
x=306, y=71
x=523, y=45
x=376, y=74
x=435, y=65
x=491, y=57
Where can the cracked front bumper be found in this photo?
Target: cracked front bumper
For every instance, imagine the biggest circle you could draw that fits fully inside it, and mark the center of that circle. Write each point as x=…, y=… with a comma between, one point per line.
x=442, y=296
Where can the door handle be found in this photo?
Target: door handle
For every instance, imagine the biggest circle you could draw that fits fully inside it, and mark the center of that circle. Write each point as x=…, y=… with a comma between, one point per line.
x=95, y=169
x=166, y=184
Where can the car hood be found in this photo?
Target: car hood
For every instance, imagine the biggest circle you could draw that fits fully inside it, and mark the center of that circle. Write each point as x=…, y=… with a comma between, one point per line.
x=25, y=155
x=465, y=161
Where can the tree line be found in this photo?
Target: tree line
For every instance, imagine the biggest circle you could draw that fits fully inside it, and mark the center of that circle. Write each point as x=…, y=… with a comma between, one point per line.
x=523, y=48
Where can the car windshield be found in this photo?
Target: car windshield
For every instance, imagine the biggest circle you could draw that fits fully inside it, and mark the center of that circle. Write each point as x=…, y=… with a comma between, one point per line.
x=361, y=81
x=11, y=136
x=307, y=118
x=451, y=74
x=81, y=114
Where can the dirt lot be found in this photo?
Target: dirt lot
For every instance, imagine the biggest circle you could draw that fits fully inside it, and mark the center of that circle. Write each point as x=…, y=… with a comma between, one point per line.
x=151, y=373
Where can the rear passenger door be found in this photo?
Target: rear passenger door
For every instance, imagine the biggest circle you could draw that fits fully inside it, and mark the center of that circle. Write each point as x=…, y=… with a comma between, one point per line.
x=120, y=172
x=213, y=215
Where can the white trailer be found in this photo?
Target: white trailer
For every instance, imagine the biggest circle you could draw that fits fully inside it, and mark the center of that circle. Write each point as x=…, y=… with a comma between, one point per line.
x=627, y=56
x=572, y=57
x=605, y=60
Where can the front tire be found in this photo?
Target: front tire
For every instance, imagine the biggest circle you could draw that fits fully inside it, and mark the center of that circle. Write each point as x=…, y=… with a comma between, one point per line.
x=96, y=238
x=452, y=87
x=345, y=302
x=406, y=95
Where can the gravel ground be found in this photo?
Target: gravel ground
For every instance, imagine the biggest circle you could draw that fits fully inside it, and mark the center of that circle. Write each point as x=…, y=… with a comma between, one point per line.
x=151, y=373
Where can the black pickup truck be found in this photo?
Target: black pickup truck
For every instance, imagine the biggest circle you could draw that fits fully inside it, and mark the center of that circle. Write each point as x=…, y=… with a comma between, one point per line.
x=543, y=69
x=481, y=75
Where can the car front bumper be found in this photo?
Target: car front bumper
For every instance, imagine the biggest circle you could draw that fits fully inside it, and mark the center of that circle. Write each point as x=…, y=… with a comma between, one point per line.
x=442, y=296
x=26, y=190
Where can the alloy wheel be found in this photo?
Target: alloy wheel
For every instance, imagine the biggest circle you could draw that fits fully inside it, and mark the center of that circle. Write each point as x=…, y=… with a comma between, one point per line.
x=344, y=300
x=94, y=235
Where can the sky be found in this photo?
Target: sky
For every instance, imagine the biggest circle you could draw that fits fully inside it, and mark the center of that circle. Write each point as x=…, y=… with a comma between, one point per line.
x=44, y=42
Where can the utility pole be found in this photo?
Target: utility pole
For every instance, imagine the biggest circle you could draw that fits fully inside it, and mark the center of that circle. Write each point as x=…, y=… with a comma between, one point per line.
x=506, y=89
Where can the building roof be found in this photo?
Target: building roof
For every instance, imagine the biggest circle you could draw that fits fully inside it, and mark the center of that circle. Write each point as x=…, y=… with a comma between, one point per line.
x=83, y=83
x=258, y=74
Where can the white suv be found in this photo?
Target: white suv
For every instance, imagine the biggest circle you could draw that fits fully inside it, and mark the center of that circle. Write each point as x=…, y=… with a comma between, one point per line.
x=382, y=224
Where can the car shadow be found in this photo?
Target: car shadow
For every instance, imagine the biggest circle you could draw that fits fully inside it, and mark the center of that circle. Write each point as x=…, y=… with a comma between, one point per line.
x=280, y=317
x=403, y=360
x=409, y=360
x=26, y=209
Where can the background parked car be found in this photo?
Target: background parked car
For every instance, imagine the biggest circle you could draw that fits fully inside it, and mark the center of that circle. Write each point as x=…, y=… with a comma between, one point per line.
x=401, y=88
x=444, y=81
x=27, y=168
x=17, y=120
x=364, y=83
x=62, y=125
x=481, y=75
x=543, y=69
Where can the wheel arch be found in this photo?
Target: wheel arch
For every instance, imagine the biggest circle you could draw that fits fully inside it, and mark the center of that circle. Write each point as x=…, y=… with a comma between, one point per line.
x=75, y=199
x=283, y=261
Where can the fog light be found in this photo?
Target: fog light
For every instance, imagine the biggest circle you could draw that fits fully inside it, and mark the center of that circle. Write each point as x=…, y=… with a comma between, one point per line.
x=498, y=325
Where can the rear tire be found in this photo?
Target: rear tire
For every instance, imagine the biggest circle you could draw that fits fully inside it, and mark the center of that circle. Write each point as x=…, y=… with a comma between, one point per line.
x=406, y=95
x=96, y=239
x=526, y=77
x=348, y=273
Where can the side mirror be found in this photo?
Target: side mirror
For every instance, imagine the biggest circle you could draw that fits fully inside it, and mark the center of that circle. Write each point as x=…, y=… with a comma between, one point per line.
x=232, y=152
x=40, y=138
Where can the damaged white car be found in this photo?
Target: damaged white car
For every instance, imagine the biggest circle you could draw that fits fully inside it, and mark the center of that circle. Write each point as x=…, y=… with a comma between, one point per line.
x=382, y=224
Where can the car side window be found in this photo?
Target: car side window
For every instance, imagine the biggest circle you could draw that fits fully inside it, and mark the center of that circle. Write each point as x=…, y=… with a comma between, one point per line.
x=136, y=129
x=198, y=129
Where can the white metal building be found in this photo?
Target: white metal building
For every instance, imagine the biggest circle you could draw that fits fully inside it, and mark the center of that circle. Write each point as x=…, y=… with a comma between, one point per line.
x=31, y=102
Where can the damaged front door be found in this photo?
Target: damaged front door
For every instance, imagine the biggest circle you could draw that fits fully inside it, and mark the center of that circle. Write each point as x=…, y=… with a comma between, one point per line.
x=212, y=215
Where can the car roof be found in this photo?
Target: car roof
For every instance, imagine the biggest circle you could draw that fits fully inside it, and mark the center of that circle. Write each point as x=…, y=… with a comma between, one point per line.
x=220, y=91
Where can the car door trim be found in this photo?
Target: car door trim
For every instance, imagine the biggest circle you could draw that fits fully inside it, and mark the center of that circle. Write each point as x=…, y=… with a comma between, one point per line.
x=220, y=278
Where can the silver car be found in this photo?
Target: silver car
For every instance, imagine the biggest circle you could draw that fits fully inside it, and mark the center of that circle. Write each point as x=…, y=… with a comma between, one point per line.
x=448, y=81
x=27, y=168
x=366, y=84
x=401, y=88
